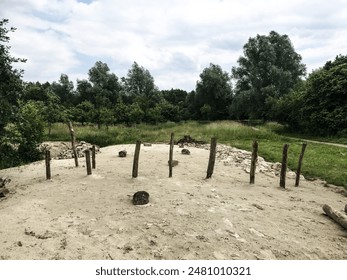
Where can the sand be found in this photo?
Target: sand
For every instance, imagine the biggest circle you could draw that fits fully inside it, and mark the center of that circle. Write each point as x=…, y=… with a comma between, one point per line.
x=75, y=216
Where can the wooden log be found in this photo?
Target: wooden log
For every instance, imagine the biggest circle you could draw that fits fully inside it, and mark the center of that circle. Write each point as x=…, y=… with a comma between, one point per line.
x=284, y=166
x=298, y=171
x=338, y=217
x=212, y=159
x=89, y=168
x=93, y=157
x=136, y=159
x=253, y=161
x=48, y=164
x=73, y=142
x=171, y=154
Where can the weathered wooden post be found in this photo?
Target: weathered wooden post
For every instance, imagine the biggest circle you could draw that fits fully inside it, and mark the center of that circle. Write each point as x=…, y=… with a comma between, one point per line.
x=89, y=168
x=284, y=166
x=298, y=171
x=48, y=164
x=73, y=143
x=254, y=161
x=136, y=159
x=93, y=157
x=212, y=159
x=171, y=154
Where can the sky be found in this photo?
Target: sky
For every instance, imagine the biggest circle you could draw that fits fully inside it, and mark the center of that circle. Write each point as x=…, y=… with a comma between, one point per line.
x=173, y=39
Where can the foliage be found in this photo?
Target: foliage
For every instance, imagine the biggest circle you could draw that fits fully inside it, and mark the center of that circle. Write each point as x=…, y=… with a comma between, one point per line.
x=213, y=93
x=270, y=68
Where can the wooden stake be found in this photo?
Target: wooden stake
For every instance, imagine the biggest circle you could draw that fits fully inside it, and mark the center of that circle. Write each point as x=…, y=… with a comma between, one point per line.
x=48, y=164
x=298, y=171
x=93, y=157
x=89, y=168
x=212, y=158
x=136, y=159
x=171, y=154
x=284, y=166
x=73, y=143
x=254, y=161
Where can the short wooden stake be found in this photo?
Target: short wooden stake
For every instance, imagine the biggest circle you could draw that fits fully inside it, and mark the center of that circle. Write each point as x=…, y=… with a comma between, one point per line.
x=93, y=157
x=212, y=159
x=73, y=143
x=136, y=159
x=298, y=171
x=254, y=161
x=48, y=164
x=171, y=154
x=284, y=166
x=89, y=168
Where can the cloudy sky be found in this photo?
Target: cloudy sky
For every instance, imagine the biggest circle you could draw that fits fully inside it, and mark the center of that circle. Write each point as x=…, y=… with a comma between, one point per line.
x=174, y=39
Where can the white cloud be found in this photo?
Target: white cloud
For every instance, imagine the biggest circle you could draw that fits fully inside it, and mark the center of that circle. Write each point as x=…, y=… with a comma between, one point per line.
x=173, y=39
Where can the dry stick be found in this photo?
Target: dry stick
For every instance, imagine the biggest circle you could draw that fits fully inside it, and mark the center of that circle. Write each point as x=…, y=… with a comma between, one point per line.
x=171, y=154
x=73, y=140
x=298, y=172
x=284, y=166
x=48, y=165
x=93, y=157
x=336, y=216
x=89, y=168
x=254, y=161
x=136, y=159
x=212, y=158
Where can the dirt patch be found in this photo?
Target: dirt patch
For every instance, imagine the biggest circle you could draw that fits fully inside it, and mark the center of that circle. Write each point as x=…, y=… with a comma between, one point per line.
x=75, y=216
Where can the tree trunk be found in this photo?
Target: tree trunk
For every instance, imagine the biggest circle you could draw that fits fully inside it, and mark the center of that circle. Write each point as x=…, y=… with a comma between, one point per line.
x=73, y=141
x=171, y=154
x=298, y=172
x=254, y=161
x=336, y=216
x=136, y=159
x=284, y=166
x=212, y=158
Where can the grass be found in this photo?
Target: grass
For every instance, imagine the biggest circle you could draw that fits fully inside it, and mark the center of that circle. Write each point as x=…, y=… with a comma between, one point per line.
x=321, y=161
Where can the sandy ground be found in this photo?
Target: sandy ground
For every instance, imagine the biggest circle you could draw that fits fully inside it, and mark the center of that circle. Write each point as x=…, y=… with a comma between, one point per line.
x=75, y=216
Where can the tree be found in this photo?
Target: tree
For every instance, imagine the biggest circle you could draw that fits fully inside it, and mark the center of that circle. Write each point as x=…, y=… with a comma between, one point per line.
x=64, y=89
x=270, y=68
x=10, y=79
x=213, y=93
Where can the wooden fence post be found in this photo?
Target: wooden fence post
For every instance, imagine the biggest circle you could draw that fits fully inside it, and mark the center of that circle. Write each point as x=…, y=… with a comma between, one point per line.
x=93, y=157
x=136, y=159
x=48, y=164
x=254, y=161
x=298, y=171
x=89, y=169
x=284, y=166
x=212, y=158
x=171, y=154
x=73, y=143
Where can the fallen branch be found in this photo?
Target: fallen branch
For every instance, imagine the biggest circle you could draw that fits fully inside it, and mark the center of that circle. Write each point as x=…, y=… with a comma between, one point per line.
x=338, y=217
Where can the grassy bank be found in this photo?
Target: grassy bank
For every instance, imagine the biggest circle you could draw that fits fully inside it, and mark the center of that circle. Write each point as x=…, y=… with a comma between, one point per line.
x=321, y=161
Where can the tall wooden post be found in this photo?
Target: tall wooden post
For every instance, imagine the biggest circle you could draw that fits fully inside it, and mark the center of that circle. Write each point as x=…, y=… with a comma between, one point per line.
x=212, y=159
x=284, y=166
x=89, y=168
x=298, y=171
x=48, y=164
x=93, y=157
x=136, y=159
x=253, y=161
x=171, y=154
x=73, y=143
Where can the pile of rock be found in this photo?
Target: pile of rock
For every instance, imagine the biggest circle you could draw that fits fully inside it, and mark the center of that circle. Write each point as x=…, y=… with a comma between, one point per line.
x=63, y=150
x=3, y=189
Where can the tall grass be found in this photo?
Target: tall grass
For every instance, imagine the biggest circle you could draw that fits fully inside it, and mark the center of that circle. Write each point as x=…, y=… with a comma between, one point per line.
x=320, y=161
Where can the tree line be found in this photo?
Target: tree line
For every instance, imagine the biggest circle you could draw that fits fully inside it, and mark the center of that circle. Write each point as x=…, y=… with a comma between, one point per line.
x=269, y=84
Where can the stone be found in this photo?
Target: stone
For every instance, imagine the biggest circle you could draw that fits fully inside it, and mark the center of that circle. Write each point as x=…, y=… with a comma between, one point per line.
x=147, y=144
x=141, y=198
x=180, y=145
x=174, y=162
x=185, y=152
x=122, y=153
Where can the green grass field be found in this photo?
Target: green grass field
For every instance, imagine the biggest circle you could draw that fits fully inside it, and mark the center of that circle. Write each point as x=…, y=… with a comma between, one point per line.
x=321, y=161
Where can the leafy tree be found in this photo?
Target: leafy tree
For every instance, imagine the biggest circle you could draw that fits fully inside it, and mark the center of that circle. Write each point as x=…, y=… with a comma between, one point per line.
x=64, y=89
x=83, y=112
x=269, y=68
x=10, y=79
x=35, y=91
x=107, y=117
x=213, y=93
